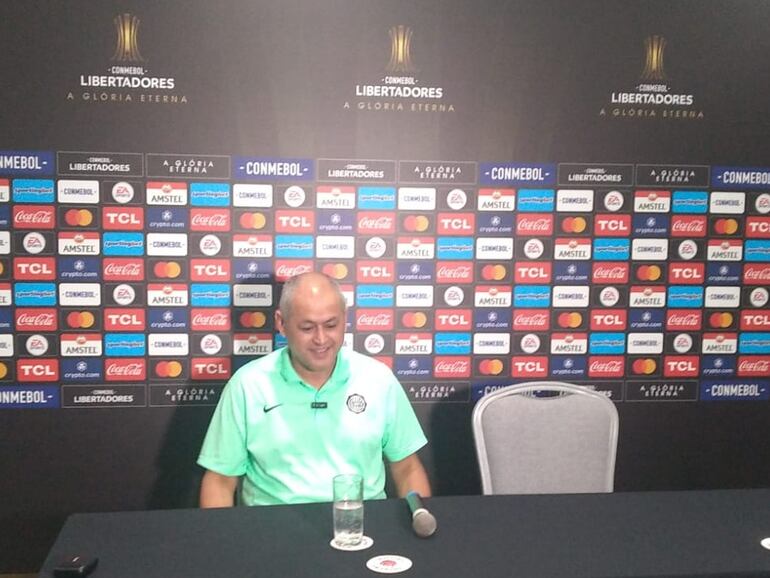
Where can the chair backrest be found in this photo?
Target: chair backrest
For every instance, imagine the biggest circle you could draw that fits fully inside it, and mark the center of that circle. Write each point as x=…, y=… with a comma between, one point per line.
x=530, y=441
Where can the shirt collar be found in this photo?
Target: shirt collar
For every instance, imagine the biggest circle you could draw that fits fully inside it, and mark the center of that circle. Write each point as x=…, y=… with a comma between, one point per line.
x=339, y=376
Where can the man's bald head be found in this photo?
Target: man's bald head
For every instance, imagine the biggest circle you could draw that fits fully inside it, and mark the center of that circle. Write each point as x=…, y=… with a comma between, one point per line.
x=306, y=286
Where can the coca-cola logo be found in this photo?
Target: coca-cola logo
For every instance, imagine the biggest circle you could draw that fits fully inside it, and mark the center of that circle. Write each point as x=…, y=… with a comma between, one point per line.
x=123, y=270
x=541, y=225
x=754, y=367
x=125, y=370
x=213, y=221
x=610, y=273
x=376, y=224
x=457, y=272
x=613, y=367
x=687, y=320
x=534, y=320
x=379, y=320
x=756, y=274
x=215, y=320
x=688, y=226
x=286, y=271
x=455, y=367
x=38, y=217
x=39, y=319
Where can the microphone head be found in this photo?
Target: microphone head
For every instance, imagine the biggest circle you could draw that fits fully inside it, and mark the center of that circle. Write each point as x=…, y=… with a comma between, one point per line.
x=424, y=523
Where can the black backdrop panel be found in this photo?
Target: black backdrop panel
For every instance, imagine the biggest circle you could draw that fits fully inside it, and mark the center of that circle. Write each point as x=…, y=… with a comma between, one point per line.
x=532, y=82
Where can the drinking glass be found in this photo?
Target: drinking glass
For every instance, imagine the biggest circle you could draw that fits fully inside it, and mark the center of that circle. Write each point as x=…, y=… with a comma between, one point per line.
x=348, y=509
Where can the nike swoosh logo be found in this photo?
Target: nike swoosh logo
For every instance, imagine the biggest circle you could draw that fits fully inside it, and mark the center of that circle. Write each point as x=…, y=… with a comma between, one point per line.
x=271, y=408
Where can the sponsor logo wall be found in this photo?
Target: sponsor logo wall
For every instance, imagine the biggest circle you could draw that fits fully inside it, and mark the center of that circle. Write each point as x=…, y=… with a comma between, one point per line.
x=136, y=280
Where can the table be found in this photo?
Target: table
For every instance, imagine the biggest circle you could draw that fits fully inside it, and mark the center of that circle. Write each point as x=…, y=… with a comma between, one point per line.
x=698, y=533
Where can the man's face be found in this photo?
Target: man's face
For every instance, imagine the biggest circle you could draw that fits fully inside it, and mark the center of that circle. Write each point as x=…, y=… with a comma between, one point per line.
x=314, y=329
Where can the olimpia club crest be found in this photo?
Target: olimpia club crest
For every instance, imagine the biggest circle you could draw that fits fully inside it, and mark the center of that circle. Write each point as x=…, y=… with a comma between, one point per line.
x=653, y=96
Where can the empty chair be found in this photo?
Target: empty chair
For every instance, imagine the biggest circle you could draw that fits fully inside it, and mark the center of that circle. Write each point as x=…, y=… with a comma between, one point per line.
x=546, y=437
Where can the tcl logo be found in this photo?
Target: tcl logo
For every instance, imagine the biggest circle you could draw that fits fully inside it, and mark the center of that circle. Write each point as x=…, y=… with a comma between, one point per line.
x=381, y=271
x=758, y=227
x=608, y=319
x=123, y=218
x=532, y=366
x=34, y=268
x=119, y=319
x=612, y=225
x=210, y=270
x=210, y=368
x=533, y=272
x=456, y=224
x=294, y=221
x=755, y=320
x=37, y=370
x=453, y=319
x=686, y=273
x=681, y=366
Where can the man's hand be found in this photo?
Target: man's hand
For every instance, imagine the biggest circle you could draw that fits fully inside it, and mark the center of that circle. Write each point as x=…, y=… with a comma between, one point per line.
x=217, y=491
x=409, y=476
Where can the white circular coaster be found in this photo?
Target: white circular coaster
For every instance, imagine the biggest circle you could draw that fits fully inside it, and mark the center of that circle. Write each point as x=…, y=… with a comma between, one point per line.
x=765, y=543
x=389, y=564
x=366, y=542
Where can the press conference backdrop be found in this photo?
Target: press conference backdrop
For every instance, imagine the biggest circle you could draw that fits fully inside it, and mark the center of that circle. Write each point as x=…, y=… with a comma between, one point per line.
x=505, y=191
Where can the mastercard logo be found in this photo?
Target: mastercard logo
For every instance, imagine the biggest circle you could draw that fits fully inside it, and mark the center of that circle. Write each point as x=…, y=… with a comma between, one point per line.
x=3, y=370
x=644, y=366
x=493, y=272
x=725, y=226
x=255, y=221
x=336, y=270
x=721, y=320
x=167, y=269
x=81, y=319
x=168, y=369
x=78, y=217
x=574, y=225
x=491, y=367
x=2, y=268
x=415, y=320
x=416, y=223
x=649, y=273
x=255, y=319
x=570, y=320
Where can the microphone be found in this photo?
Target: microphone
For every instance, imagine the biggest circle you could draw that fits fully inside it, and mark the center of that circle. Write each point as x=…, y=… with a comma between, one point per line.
x=423, y=522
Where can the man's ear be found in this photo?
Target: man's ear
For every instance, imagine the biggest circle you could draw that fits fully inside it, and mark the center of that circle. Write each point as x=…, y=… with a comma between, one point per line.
x=279, y=322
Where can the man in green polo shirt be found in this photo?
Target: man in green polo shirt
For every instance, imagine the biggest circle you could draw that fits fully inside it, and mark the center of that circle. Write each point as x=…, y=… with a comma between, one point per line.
x=287, y=423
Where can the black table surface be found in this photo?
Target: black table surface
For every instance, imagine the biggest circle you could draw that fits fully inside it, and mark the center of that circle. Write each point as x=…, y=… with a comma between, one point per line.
x=698, y=533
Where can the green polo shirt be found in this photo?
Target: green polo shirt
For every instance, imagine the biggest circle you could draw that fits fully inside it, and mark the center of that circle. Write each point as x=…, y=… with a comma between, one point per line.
x=289, y=440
